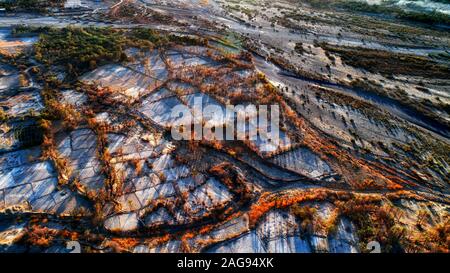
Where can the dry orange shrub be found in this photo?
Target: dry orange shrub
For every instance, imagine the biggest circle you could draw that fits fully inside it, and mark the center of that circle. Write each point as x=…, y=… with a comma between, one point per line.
x=157, y=241
x=40, y=236
x=44, y=237
x=50, y=152
x=126, y=243
x=206, y=229
x=217, y=145
x=138, y=166
x=113, y=179
x=233, y=179
x=269, y=201
x=185, y=246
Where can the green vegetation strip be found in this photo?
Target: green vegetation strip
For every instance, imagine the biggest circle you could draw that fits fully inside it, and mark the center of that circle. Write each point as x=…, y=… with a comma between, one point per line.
x=83, y=49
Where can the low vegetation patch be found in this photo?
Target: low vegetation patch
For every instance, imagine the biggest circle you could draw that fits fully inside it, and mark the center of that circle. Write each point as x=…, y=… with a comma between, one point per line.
x=375, y=222
x=389, y=63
